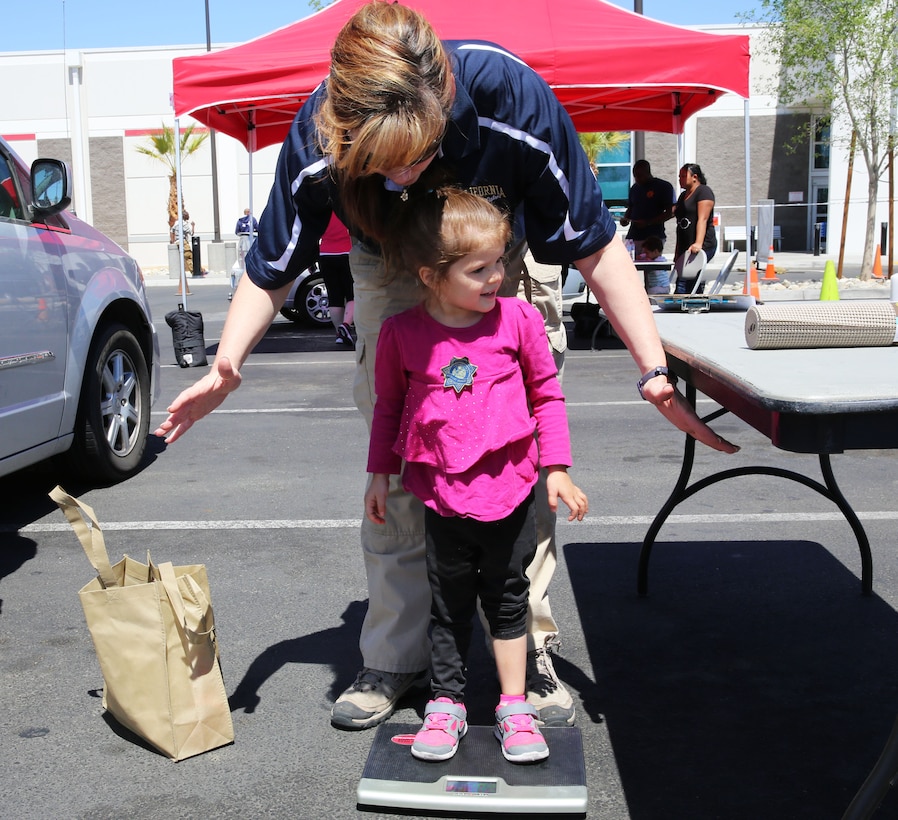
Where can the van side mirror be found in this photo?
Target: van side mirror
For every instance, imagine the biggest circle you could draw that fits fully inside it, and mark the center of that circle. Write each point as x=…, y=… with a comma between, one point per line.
x=51, y=186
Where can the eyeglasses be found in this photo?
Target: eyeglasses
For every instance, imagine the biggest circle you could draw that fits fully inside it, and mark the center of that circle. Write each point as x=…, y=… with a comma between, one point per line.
x=429, y=153
x=406, y=168
x=432, y=149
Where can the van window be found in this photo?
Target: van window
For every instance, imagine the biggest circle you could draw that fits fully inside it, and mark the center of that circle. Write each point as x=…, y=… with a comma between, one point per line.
x=10, y=206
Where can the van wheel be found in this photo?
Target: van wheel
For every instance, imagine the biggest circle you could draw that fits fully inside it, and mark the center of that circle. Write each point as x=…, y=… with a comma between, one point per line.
x=114, y=410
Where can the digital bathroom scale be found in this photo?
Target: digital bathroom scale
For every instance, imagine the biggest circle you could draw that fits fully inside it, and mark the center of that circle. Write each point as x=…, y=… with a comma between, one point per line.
x=478, y=779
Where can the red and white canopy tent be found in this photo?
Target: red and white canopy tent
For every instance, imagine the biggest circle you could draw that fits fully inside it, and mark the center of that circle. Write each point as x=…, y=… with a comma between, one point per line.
x=612, y=69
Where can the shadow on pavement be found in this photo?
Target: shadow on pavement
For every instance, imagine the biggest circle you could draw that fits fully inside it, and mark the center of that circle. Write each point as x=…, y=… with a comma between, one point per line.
x=754, y=681
x=15, y=551
x=328, y=646
x=25, y=495
x=25, y=492
x=286, y=337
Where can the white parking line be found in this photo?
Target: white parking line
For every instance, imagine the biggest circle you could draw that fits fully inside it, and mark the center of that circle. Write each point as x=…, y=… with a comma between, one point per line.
x=234, y=411
x=349, y=363
x=256, y=411
x=354, y=523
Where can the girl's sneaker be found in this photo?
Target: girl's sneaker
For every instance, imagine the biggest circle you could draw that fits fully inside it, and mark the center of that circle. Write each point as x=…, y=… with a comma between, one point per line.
x=445, y=723
x=518, y=734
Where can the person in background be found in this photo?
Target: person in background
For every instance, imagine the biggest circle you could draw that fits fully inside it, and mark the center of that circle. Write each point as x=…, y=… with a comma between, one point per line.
x=246, y=224
x=447, y=370
x=656, y=281
x=694, y=214
x=246, y=229
x=398, y=111
x=333, y=262
x=186, y=226
x=649, y=205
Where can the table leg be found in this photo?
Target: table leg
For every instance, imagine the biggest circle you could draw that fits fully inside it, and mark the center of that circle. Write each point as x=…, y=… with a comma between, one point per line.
x=603, y=320
x=863, y=543
x=878, y=782
x=683, y=490
x=675, y=497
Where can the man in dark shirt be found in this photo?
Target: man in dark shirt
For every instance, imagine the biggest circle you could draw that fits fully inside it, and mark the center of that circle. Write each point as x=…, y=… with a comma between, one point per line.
x=649, y=205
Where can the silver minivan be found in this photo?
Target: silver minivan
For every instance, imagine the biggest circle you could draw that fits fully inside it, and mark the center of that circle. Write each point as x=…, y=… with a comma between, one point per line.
x=79, y=357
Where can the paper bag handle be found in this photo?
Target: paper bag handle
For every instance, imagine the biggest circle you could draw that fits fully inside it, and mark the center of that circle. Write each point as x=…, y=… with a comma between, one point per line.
x=91, y=537
x=194, y=613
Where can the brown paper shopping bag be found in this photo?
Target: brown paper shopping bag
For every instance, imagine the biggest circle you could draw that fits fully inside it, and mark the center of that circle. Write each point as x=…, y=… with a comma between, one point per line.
x=154, y=635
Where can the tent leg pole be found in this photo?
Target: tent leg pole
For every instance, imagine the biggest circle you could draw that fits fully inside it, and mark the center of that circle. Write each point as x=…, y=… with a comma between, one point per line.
x=183, y=276
x=747, y=126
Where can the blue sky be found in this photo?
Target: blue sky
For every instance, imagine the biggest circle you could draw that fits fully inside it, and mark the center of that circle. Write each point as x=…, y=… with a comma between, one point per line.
x=54, y=24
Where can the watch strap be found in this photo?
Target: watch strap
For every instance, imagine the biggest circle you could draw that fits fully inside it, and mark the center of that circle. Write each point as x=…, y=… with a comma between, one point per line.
x=660, y=370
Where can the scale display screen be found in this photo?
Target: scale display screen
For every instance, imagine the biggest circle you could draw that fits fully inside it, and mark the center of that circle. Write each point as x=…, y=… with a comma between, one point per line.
x=472, y=786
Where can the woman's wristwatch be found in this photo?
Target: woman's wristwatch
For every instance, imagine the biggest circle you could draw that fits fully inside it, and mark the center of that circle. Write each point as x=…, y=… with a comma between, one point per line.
x=661, y=370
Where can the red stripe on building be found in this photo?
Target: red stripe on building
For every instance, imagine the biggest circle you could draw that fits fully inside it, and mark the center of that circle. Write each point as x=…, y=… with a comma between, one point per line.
x=146, y=132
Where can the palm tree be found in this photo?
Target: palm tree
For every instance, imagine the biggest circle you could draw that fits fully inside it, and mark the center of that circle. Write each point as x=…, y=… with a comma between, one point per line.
x=161, y=146
x=595, y=143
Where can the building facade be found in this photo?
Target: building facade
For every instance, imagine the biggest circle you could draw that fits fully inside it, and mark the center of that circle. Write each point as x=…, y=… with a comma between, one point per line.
x=94, y=107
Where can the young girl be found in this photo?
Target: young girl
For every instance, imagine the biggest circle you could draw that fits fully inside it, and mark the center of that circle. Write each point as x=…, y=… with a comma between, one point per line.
x=462, y=381
x=656, y=281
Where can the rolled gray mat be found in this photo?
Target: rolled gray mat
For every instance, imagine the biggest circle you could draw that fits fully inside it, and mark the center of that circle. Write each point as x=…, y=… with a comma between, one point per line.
x=857, y=323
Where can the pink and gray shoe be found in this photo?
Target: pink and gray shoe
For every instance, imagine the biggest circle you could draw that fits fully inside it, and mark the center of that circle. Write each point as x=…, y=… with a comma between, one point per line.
x=519, y=735
x=445, y=723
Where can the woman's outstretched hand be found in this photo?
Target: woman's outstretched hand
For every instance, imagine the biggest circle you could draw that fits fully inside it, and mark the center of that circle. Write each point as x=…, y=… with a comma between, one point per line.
x=199, y=400
x=674, y=407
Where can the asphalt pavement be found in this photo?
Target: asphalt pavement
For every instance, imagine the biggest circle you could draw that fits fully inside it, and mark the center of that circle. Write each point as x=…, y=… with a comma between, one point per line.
x=754, y=680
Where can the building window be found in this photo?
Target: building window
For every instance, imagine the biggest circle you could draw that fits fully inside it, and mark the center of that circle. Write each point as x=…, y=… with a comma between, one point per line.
x=818, y=184
x=613, y=171
x=821, y=144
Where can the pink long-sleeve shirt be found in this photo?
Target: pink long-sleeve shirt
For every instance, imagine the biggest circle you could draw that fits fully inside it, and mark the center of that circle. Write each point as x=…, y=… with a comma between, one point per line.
x=465, y=429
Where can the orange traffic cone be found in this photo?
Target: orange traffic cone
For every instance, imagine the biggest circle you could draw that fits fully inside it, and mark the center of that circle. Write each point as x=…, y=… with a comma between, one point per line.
x=877, y=263
x=770, y=272
x=751, y=287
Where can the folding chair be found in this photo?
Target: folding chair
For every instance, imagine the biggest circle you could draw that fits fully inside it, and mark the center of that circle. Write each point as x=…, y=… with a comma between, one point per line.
x=722, y=274
x=690, y=266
